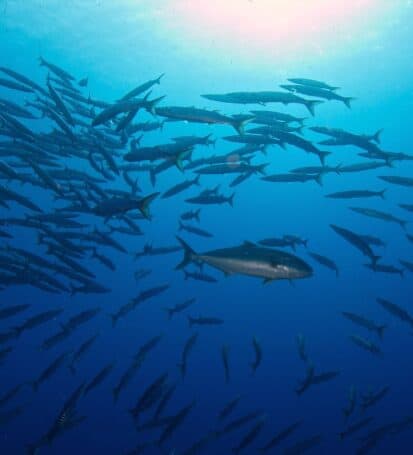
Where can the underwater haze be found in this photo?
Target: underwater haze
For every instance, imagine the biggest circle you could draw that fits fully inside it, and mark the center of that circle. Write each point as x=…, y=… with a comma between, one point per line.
x=206, y=231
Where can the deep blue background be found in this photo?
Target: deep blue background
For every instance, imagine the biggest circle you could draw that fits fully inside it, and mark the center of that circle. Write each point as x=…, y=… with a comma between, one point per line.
x=274, y=313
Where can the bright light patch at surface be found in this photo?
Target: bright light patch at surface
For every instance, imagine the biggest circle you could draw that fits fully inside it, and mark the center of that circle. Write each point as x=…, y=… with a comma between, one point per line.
x=279, y=25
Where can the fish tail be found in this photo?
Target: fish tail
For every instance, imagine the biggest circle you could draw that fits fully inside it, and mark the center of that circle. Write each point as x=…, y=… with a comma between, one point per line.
x=197, y=212
x=144, y=204
x=322, y=156
x=310, y=105
x=190, y=321
x=382, y=193
x=189, y=254
x=319, y=178
x=196, y=181
x=231, y=200
x=186, y=275
x=178, y=160
x=239, y=125
x=347, y=101
x=261, y=168
x=376, y=136
x=181, y=226
x=151, y=105
x=158, y=79
x=169, y=312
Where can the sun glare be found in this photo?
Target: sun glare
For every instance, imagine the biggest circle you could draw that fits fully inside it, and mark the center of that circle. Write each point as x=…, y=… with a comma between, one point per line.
x=280, y=25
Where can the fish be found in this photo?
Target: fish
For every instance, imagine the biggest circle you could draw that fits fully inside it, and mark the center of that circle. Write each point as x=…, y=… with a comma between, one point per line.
x=373, y=398
x=407, y=207
x=229, y=407
x=13, y=310
x=188, y=347
x=176, y=421
x=281, y=436
x=351, y=194
x=351, y=429
x=59, y=72
x=357, y=241
x=10, y=394
x=292, y=178
x=37, y=320
x=199, y=276
x=149, y=396
x=165, y=400
x=178, y=188
x=179, y=307
x=15, y=85
x=313, y=83
x=363, y=166
x=304, y=445
x=99, y=378
x=263, y=98
x=250, y=437
x=208, y=199
x=201, y=320
x=81, y=351
x=385, y=268
x=323, y=260
x=225, y=362
x=249, y=259
x=232, y=168
x=364, y=322
x=50, y=370
x=395, y=310
x=352, y=398
x=318, y=92
x=258, y=355
x=276, y=117
x=194, y=230
x=196, y=115
x=302, y=352
x=373, y=213
x=397, y=180
x=142, y=88
x=116, y=206
x=365, y=344
x=191, y=215
x=239, y=422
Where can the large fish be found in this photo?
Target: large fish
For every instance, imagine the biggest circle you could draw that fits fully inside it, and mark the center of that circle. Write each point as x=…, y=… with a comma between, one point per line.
x=250, y=259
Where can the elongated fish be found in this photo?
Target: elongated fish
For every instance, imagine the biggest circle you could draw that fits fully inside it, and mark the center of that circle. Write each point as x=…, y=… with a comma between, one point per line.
x=249, y=259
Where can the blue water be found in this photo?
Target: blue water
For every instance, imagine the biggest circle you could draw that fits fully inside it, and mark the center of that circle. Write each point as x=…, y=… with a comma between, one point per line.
x=119, y=46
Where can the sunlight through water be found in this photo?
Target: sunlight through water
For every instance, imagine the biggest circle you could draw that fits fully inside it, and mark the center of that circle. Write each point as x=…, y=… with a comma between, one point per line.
x=276, y=26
